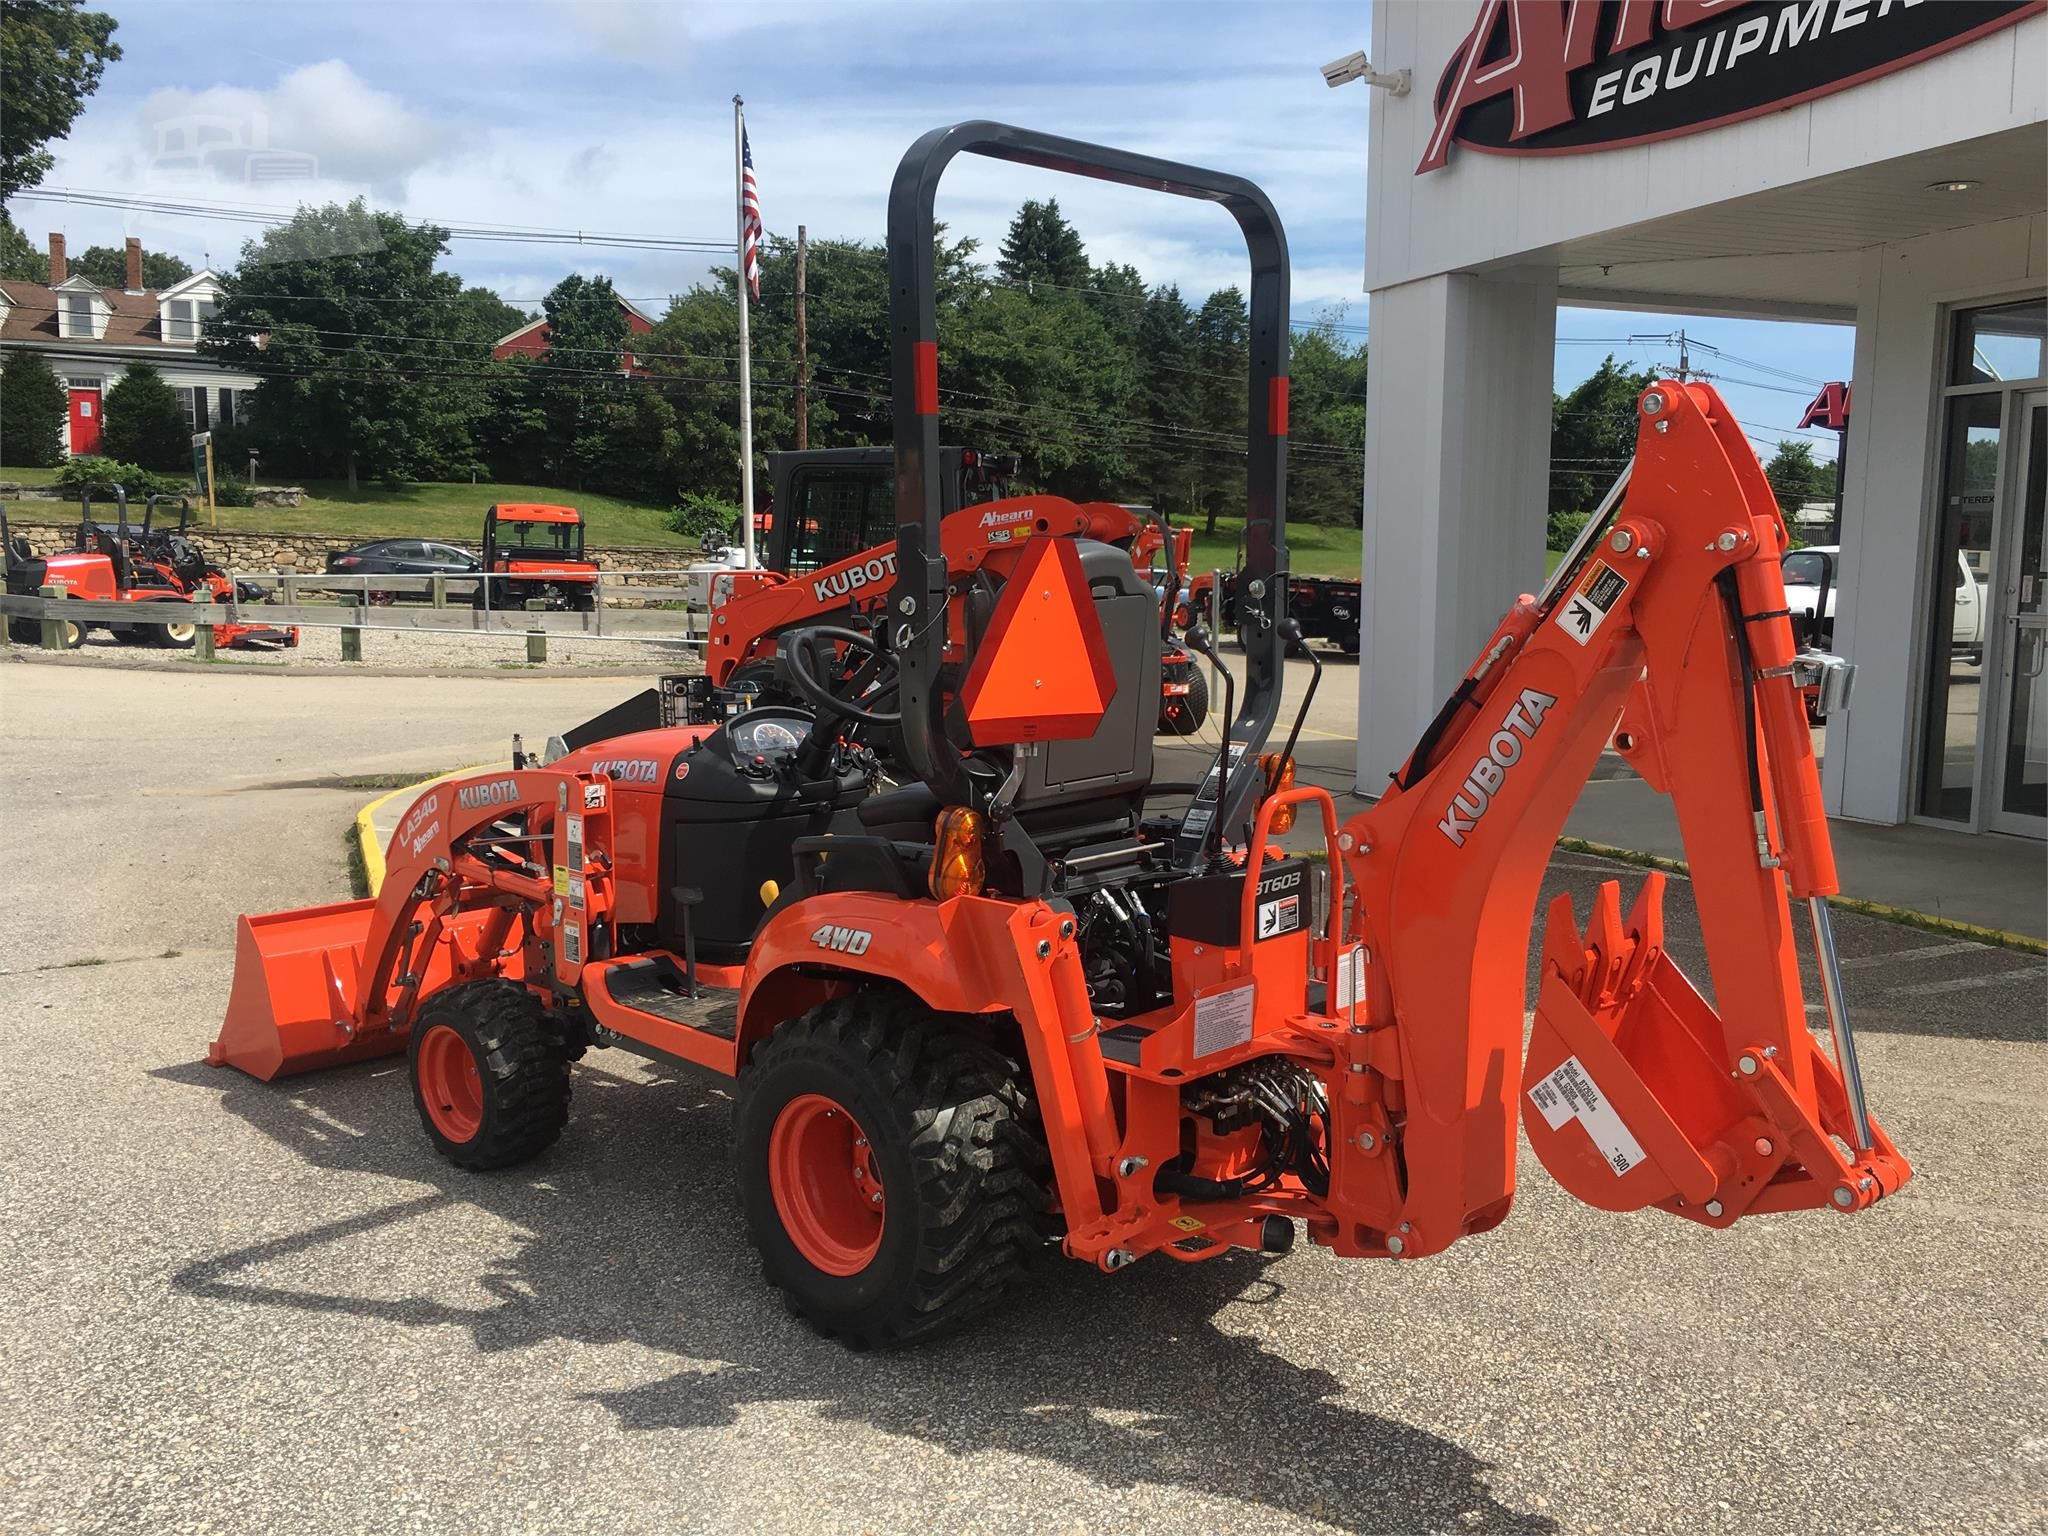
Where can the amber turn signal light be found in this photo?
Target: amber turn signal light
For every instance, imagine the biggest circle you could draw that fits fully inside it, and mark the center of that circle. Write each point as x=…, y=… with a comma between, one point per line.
x=957, y=865
x=1279, y=773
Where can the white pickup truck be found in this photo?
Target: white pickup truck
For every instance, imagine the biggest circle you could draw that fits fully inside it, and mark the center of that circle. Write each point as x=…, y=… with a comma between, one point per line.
x=1812, y=571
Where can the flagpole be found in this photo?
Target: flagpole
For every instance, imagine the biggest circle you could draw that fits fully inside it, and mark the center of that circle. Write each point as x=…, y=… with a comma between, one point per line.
x=739, y=198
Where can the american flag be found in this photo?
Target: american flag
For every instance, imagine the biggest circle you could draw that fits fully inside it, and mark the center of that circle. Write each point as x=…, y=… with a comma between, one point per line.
x=750, y=219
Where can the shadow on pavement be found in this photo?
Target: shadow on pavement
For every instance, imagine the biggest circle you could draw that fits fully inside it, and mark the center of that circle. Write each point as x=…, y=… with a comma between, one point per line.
x=630, y=1233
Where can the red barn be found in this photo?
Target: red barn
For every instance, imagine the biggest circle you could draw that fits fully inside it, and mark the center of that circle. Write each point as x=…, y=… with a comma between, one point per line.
x=531, y=339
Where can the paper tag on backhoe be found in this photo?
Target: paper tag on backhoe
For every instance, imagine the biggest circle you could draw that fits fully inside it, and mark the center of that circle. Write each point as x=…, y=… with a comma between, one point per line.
x=1582, y=614
x=1569, y=1093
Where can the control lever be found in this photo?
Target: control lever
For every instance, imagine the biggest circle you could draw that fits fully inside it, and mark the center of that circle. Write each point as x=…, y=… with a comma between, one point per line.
x=1202, y=642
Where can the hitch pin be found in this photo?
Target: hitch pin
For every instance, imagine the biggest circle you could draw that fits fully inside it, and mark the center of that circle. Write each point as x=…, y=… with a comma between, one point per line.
x=1838, y=1018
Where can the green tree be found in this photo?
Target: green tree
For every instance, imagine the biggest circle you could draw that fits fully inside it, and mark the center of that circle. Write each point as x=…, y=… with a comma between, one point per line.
x=1042, y=247
x=21, y=260
x=1168, y=397
x=1326, y=427
x=366, y=362
x=145, y=424
x=32, y=407
x=108, y=267
x=52, y=53
x=1796, y=478
x=1216, y=437
x=1592, y=435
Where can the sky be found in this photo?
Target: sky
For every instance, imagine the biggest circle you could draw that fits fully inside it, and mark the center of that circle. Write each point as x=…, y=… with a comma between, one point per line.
x=615, y=116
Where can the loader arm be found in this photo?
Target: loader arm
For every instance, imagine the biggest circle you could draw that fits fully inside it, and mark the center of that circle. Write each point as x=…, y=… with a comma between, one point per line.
x=1669, y=636
x=745, y=623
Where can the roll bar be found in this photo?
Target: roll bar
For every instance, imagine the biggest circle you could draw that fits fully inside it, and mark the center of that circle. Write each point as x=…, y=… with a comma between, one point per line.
x=920, y=595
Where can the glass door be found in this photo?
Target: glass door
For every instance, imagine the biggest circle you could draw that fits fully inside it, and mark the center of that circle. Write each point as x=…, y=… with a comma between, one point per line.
x=2019, y=766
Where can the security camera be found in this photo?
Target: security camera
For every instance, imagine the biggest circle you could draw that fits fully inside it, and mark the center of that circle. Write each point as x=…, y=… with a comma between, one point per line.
x=1352, y=66
x=1356, y=66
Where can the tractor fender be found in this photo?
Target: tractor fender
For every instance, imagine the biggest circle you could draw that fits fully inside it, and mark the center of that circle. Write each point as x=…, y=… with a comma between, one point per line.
x=958, y=956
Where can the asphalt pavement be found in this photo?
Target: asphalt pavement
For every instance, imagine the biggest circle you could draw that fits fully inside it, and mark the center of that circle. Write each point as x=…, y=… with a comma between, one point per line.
x=242, y=1307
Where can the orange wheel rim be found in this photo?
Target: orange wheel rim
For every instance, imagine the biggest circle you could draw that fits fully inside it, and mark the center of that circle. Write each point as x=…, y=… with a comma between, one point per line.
x=821, y=1172
x=450, y=1084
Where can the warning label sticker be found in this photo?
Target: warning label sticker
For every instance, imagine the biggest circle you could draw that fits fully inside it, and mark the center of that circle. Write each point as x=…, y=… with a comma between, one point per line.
x=1351, y=978
x=1279, y=916
x=1223, y=1019
x=1570, y=1093
x=1598, y=590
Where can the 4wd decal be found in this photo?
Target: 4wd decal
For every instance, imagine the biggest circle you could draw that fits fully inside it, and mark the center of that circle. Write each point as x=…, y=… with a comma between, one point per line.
x=473, y=797
x=1517, y=727
x=847, y=582
x=844, y=941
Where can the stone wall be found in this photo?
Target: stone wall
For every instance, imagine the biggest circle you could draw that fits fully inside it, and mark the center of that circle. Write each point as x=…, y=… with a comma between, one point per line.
x=254, y=553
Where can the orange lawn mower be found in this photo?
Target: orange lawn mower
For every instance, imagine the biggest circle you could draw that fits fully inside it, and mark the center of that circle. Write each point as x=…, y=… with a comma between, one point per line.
x=147, y=564
x=1036, y=998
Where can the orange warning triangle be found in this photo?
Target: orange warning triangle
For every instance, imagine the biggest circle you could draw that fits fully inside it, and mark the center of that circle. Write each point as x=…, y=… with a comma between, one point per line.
x=1042, y=671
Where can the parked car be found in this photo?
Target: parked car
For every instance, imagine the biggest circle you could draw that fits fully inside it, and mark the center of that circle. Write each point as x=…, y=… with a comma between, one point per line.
x=405, y=557
x=1812, y=574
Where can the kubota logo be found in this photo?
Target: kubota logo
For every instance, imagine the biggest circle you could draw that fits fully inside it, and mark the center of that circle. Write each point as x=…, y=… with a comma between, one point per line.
x=628, y=770
x=846, y=583
x=472, y=797
x=1517, y=727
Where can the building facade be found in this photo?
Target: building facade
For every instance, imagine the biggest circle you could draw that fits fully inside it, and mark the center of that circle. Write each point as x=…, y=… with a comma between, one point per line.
x=1877, y=163
x=88, y=334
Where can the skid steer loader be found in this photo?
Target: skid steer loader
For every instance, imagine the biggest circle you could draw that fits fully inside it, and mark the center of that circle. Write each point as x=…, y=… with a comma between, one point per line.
x=1036, y=996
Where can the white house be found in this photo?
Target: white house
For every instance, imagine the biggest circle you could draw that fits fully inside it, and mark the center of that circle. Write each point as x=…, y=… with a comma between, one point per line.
x=88, y=334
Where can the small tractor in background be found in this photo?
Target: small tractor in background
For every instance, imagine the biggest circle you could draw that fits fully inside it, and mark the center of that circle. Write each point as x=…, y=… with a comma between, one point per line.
x=122, y=562
x=535, y=551
x=829, y=548
x=1037, y=996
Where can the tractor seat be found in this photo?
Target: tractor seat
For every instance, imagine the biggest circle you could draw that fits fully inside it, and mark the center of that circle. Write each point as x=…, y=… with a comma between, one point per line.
x=18, y=551
x=1079, y=791
x=117, y=557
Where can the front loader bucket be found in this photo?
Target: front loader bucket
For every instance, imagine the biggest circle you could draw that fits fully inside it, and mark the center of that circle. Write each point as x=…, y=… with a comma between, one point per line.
x=293, y=1006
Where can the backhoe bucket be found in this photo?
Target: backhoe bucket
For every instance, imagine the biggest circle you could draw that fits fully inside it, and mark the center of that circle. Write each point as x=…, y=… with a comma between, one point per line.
x=293, y=1006
x=1634, y=1094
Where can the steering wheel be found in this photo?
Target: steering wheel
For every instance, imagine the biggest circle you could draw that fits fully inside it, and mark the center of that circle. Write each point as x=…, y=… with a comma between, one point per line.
x=852, y=696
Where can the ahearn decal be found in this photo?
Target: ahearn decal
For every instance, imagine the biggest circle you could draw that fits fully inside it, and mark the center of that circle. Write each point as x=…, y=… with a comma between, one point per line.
x=1006, y=517
x=1518, y=727
x=1541, y=77
x=853, y=579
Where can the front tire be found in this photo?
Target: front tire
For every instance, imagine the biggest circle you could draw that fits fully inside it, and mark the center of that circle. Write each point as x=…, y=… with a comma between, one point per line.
x=887, y=1169
x=174, y=636
x=490, y=1076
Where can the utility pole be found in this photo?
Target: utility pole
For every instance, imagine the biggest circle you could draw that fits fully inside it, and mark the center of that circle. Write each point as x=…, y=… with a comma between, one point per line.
x=1684, y=358
x=803, y=381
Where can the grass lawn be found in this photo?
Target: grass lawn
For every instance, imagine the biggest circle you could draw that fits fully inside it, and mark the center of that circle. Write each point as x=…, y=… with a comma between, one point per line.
x=447, y=510
x=1315, y=549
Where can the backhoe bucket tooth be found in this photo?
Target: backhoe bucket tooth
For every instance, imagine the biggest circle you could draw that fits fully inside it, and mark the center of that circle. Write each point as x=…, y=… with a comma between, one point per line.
x=293, y=1006
x=1633, y=1094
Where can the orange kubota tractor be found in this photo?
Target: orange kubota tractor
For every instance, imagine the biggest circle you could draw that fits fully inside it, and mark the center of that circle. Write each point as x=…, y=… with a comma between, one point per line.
x=1021, y=1000
x=122, y=562
x=829, y=550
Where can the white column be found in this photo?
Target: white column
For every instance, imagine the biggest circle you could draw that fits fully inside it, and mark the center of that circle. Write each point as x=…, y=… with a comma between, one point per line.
x=1457, y=467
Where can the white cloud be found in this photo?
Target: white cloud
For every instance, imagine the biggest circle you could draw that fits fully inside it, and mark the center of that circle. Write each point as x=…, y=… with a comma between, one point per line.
x=348, y=130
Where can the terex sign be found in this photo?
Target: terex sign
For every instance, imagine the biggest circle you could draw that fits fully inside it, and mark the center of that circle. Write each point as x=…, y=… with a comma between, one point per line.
x=1559, y=77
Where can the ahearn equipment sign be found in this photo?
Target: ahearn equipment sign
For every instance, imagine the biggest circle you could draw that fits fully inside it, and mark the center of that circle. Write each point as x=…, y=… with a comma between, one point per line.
x=1560, y=77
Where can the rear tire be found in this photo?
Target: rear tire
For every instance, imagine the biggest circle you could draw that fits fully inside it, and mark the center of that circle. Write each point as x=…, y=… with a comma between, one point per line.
x=490, y=1075
x=935, y=1123
x=175, y=636
x=1193, y=710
